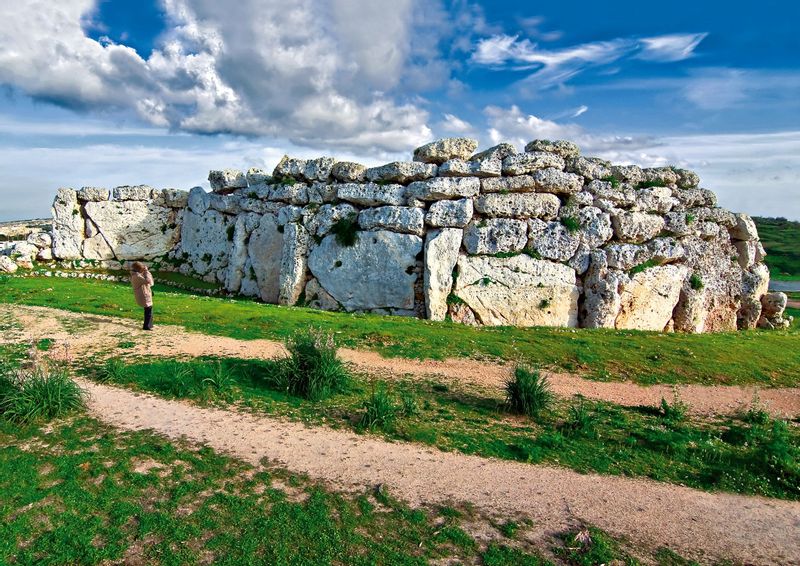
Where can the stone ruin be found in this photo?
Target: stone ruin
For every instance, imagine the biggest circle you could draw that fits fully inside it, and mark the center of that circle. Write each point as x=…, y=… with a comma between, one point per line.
x=545, y=237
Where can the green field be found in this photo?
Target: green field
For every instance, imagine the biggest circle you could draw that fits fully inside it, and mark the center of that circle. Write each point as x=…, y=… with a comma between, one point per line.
x=781, y=240
x=766, y=358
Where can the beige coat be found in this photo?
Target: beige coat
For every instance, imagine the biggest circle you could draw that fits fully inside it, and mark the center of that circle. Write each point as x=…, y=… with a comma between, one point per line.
x=141, y=288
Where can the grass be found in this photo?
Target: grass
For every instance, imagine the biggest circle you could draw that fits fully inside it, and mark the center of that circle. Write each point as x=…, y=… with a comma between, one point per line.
x=85, y=493
x=766, y=358
x=38, y=395
x=528, y=393
x=781, y=240
x=312, y=370
x=725, y=453
x=346, y=230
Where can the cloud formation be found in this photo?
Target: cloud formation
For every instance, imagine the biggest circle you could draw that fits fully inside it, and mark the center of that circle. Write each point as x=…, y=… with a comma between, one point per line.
x=556, y=66
x=253, y=67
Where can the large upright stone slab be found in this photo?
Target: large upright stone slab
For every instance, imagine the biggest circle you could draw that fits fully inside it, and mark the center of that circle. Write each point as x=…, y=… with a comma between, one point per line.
x=518, y=291
x=68, y=225
x=204, y=240
x=136, y=229
x=648, y=299
x=264, y=252
x=441, y=255
x=294, y=264
x=377, y=272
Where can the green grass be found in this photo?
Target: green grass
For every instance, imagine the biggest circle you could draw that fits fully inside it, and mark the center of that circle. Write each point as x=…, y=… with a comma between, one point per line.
x=728, y=454
x=38, y=395
x=85, y=493
x=781, y=240
x=756, y=357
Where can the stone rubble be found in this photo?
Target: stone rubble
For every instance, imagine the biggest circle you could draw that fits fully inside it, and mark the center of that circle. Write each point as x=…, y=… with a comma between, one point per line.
x=499, y=237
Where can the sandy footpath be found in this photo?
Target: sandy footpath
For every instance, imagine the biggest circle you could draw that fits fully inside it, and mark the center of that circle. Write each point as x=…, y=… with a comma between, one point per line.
x=78, y=335
x=750, y=530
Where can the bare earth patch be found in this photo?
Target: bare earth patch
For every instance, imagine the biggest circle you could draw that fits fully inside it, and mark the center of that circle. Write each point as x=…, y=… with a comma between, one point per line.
x=747, y=529
x=91, y=334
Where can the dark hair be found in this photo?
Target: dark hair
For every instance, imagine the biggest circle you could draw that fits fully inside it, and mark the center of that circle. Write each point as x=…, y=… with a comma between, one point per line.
x=138, y=267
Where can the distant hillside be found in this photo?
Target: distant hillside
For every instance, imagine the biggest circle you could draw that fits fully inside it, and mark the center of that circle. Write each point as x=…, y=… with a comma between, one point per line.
x=781, y=240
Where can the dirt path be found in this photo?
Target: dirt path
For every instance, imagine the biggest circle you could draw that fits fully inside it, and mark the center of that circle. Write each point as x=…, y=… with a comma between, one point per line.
x=752, y=530
x=78, y=335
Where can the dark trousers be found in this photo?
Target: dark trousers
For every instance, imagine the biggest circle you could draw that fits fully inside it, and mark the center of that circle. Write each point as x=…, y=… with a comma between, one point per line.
x=148, y=318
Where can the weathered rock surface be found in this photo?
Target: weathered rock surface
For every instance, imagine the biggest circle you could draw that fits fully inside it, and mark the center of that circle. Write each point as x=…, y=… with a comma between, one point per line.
x=375, y=273
x=446, y=149
x=445, y=188
x=226, y=180
x=518, y=291
x=450, y=213
x=7, y=265
x=372, y=194
x=93, y=194
x=349, y=172
x=522, y=163
x=441, y=255
x=294, y=263
x=552, y=240
x=518, y=205
x=401, y=219
x=648, y=299
x=402, y=172
x=495, y=235
x=563, y=148
x=637, y=227
x=480, y=169
x=264, y=252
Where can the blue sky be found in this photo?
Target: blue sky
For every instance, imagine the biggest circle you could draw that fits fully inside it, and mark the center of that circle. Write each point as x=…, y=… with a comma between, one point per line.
x=101, y=93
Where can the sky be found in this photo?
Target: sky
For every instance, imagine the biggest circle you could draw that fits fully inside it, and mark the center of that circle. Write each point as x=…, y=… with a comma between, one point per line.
x=158, y=92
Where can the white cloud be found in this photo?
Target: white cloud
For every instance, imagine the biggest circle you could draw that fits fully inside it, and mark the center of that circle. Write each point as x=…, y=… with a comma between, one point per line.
x=455, y=125
x=580, y=110
x=312, y=71
x=512, y=125
x=556, y=66
x=667, y=48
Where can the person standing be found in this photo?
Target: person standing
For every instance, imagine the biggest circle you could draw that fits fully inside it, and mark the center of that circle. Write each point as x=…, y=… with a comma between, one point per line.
x=142, y=281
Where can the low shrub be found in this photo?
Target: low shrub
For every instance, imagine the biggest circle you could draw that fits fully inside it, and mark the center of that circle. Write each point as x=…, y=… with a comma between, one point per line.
x=312, y=370
x=39, y=395
x=674, y=412
x=346, y=230
x=380, y=410
x=696, y=282
x=528, y=392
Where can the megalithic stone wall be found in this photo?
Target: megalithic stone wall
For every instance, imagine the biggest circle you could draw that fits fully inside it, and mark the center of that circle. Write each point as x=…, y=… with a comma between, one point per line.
x=543, y=237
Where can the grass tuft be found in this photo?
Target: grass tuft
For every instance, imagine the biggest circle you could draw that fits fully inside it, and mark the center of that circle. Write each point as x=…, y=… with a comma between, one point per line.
x=528, y=392
x=380, y=410
x=312, y=370
x=40, y=395
x=346, y=230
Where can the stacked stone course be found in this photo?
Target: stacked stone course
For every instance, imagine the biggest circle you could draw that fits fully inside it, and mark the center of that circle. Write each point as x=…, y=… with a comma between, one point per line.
x=542, y=237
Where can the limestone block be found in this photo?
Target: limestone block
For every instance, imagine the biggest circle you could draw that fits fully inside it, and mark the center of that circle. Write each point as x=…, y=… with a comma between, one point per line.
x=372, y=194
x=96, y=248
x=626, y=256
x=622, y=196
x=406, y=220
x=318, y=169
x=562, y=148
x=319, y=298
x=294, y=264
x=264, y=252
x=663, y=175
x=648, y=299
x=402, y=172
x=637, y=227
x=328, y=215
x=7, y=265
x=288, y=214
x=229, y=203
x=495, y=235
x=67, y=225
x=755, y=283
x=445, y=188
x=500, y=151
x=745, y=228
x=439, y=151
x=523, y=163
x=589, y=167
x=631, y=174
x=257, y=176
x=137, y=192
x=596, y=227
x=93, y=194
x=552, y=240
x=602, y=288
x=348, y=172
x=656, y=199
x=687, y=179
x=204, y=238
x=518, y=205
x=319, y=193
x=558, y=182
x=518, y=291
x=289, y=167
x=296, y=193
x=746, y=253
x=441, y=255
x=226, y=180
x=378, y=271
x=172, y=198
x=480, y=169
x=136, y=229
x=450, y=213
x=238, y=254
